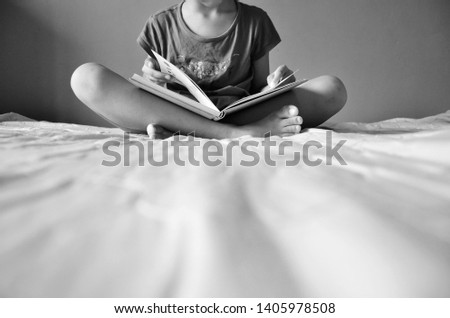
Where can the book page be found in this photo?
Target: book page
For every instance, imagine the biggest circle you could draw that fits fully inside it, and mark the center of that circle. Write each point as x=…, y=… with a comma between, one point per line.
x=178, y=99
x=259, y=97
x=192, y=87
x=268, y=92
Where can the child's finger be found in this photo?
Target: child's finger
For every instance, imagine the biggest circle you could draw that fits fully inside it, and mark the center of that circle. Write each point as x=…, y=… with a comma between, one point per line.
x=276, y=77
x=279, y=74
x=148, y=70
x=157, y=77
x=155, y=80
x=272, y=80
x=151, y=63
x=161, y=76
x=155, y=74
x=284, y=71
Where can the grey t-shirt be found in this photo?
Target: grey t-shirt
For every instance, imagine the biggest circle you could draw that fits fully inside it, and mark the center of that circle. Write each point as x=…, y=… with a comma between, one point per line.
x=221, y=66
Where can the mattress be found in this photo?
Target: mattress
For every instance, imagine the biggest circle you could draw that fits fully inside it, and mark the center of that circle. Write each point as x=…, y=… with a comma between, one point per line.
x=363, y=212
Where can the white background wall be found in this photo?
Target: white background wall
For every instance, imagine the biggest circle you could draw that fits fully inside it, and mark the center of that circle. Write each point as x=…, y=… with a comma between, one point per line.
x=394, y=56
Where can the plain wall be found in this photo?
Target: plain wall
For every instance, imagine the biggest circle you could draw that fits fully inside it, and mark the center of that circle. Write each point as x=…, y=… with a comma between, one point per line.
x=392, y=55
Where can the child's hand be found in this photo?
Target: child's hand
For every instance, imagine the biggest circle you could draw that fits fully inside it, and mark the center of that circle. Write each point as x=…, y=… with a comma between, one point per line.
x=280, y=73
x=151, y=72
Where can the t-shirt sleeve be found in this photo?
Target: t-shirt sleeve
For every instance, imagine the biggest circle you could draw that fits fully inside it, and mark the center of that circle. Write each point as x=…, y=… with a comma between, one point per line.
x=149, y=38
x=266, y=37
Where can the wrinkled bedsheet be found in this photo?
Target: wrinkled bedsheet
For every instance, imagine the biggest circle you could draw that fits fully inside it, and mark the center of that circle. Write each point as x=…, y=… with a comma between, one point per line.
x=374, y=224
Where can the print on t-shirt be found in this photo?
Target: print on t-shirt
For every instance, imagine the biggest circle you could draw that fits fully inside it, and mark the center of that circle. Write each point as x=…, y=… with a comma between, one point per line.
x=202, y=69
x=204, y=63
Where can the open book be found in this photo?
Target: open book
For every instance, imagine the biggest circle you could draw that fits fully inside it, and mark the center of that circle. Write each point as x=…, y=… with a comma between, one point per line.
x=203, y=105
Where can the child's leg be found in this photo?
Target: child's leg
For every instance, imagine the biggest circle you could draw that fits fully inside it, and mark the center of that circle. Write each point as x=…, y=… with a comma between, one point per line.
x=130, y=108
x=317, y=100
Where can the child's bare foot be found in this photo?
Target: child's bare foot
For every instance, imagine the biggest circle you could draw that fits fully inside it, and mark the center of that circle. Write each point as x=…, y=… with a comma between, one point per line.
x=158, y=132
x=284, y=122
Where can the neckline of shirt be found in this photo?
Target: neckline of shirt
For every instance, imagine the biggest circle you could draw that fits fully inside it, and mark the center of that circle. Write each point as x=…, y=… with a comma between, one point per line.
x=208, y=39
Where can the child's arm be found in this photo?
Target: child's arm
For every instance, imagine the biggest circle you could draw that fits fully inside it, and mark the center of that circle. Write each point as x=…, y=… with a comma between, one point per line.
x=261, y=70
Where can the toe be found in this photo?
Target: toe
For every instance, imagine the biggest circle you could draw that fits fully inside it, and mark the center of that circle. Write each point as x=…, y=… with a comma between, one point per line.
x=150, y=129
x=294, y=129
x=288, y=111
x=158, y=132
x=296, y=120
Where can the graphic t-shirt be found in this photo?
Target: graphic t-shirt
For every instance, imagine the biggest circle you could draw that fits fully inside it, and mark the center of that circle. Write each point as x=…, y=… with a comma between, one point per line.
x=221, y=66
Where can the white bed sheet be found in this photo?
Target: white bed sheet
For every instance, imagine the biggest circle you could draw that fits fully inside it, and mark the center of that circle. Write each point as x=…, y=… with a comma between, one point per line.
x=376, y=227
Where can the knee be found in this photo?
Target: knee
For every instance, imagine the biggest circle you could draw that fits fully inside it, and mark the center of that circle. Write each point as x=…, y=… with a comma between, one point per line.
x=335, y=93
x=88, y=82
